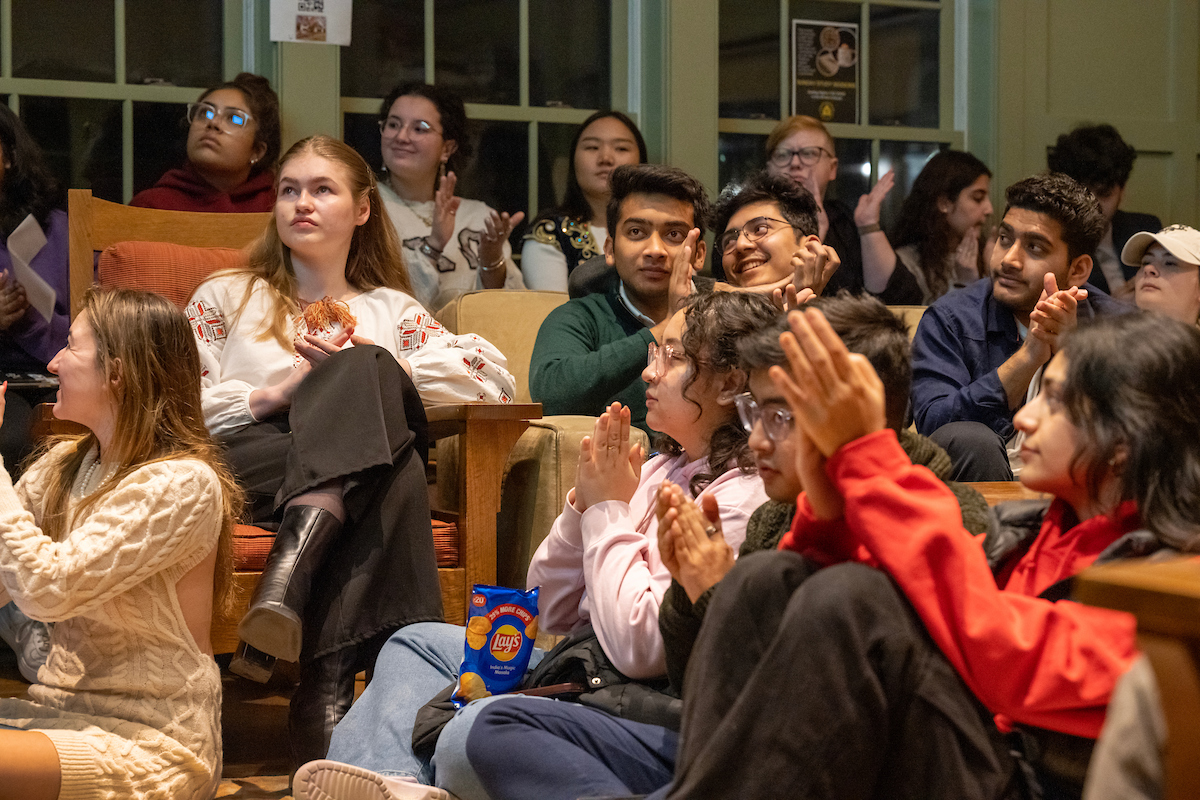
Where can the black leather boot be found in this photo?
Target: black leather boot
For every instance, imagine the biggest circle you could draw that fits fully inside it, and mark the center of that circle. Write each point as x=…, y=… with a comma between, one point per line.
x=322, y=698
x=272, y=624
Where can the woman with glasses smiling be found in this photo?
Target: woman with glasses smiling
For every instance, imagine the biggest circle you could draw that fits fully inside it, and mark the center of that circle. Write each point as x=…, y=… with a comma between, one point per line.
x=451, y=245
x=232, y=146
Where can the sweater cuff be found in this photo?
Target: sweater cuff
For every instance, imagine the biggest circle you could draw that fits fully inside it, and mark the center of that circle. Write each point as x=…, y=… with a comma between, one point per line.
x=77, y=764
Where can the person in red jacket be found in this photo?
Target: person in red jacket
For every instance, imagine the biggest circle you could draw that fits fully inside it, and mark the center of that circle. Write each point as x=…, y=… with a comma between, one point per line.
x=885, y=652
x=232, y=146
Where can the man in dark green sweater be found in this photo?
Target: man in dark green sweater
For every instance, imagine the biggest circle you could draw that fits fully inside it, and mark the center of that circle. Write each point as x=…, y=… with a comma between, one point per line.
x=591, y=351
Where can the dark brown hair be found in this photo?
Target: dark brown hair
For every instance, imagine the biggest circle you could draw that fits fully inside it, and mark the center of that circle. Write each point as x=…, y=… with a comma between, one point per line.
x=264, y=110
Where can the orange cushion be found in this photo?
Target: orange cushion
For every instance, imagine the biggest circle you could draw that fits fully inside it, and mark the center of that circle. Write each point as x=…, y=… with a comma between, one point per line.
x=172, y=270
x=251, y=546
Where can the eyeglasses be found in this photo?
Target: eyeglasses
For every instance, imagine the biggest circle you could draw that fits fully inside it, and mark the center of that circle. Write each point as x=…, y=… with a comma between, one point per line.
x=658, y=359
x=776, y=422
x=228, y=118
x=391, y=127
x=808, y=156
x=754, y=230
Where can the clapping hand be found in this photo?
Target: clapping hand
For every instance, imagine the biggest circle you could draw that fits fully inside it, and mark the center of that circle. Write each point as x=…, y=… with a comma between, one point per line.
x=1055, y=315
x=497, y=228
x=609, y=468
x=445, y=209
x=13, y=302
x=867, y=210
x=690, y=540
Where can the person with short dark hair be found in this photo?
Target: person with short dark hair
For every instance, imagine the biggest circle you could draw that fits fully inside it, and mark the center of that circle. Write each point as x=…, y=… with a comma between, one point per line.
x=451, y=245
x=1097, y=157
x=978, y=352
x=591, y=350
x=566, y=236
x=232, y=146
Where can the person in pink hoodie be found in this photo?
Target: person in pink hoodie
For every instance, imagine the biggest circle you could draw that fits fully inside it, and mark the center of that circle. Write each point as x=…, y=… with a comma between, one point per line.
x=232, y=146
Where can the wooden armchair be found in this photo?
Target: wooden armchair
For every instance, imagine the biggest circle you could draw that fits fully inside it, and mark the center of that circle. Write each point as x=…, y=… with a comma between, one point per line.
x=466, y=541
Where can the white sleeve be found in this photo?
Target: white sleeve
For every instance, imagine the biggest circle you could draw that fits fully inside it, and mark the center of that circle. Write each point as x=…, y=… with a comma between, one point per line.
x=544, y=266
x=225, y=404
x=557, y=567
x=452, y=369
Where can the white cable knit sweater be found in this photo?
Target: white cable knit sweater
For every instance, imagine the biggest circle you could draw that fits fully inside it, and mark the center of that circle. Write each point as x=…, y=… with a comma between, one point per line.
x=129, y=699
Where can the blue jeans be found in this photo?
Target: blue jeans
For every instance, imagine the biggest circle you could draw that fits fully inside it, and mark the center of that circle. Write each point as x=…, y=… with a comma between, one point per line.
x=416, y=663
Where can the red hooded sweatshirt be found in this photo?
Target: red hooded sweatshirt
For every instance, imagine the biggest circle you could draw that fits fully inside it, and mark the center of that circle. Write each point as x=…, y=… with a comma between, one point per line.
x=184, y=190
x=1052, y=665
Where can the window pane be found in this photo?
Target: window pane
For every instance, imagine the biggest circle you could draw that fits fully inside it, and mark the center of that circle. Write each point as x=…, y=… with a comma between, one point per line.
x=81, y=140
x=175, y=43
x=476, y=49
x=498, y=173
x=361, y=131
x=907, y=158
x=387, y=48
x=159, y=141
x=904, y=67
x=70, y=40
x=739, y=155
x=569, y=55
x=854, y=169
x=748, y=64
x=554, y=157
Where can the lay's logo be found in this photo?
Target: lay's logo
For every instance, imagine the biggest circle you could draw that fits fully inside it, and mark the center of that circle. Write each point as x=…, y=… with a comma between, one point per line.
x=506, y=643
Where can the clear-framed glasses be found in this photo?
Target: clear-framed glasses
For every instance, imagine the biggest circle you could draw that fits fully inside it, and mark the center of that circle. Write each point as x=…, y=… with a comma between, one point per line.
x=658, y=359
x=776, y=422
x=392, y=126
x=227, y=117
x=754, y=230
x=781, y=157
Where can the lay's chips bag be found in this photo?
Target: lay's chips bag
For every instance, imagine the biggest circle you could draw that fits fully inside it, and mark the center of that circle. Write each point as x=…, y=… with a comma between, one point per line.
x=501, y=628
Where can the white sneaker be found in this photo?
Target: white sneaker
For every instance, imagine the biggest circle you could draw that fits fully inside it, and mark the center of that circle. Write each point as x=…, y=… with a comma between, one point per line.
x=28, y=638
x=333, y=780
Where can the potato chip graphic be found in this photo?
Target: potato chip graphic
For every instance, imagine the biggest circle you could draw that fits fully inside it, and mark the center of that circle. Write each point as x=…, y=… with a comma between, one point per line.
x=479, y=625
x=531, y=629
x=471, y=686
x=476, y=641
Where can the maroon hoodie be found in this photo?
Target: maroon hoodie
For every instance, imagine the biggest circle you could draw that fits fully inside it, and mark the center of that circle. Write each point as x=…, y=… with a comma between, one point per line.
x=184, y=190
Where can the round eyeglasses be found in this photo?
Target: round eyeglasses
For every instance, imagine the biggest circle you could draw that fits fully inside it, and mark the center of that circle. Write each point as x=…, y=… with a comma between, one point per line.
x=658, y=359
x=228, y=118
x=753, y=230
x=776, y=422
x=392, y=126
x=808, y=156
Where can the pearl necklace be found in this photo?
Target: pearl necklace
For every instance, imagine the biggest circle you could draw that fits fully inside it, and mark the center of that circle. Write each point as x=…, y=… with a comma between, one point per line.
x=87, y=477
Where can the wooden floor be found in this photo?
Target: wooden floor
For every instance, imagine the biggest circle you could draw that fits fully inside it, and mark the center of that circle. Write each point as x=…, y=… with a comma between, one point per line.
x=254, y=722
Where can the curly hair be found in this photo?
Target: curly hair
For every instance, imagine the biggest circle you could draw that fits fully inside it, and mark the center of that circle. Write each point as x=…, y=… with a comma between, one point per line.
x=796, y=205
x=713, y=324
x=1094, y=155
x=1132, y=386
x=264, y=110
x=27, y=187
x=451, y=110
x=1067, y=202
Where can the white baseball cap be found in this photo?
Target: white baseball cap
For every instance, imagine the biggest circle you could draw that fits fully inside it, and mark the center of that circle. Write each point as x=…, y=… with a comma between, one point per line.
x=1179, y=240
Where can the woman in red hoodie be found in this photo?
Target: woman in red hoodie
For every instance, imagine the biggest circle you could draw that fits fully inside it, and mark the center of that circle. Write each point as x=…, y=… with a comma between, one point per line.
x=232, y=147
x=884, y=651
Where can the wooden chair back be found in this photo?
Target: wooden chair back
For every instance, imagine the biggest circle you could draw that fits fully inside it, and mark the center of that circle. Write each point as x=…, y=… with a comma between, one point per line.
x=94, y=224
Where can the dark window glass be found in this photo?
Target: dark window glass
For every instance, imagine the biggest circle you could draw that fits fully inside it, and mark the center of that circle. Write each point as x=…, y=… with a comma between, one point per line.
x=81, y=140
x=569, y=54
x=159, y=141
x=739, y=155
x=361, y=131
x=499, y=171
x=749, y=59
x=908, y=159
x=554, y=158
x=854, y=169
x=904, y=67
x=173, y=43
x=387, y=48
x=476, y=49
x=72, y=40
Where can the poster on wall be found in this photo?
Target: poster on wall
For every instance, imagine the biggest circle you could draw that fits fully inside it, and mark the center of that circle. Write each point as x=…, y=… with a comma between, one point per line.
x=825, y=70
x=312, y=21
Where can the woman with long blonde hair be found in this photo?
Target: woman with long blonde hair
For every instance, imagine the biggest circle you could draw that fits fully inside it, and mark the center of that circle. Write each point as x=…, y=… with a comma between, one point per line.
x=122, y=538
x=316, y=362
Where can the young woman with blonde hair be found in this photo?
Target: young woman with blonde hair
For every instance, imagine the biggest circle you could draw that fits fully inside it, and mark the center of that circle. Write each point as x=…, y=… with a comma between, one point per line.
x=122, y=538
x=316, y=362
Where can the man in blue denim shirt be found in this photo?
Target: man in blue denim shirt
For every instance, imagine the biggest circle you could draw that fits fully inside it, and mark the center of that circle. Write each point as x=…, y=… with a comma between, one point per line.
x=979, y=351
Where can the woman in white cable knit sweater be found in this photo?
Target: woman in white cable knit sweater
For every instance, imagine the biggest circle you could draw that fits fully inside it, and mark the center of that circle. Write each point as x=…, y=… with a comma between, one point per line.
x=122, y=538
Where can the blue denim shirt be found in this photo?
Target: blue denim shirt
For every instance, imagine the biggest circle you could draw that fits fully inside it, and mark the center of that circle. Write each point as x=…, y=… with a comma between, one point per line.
x=960, y=344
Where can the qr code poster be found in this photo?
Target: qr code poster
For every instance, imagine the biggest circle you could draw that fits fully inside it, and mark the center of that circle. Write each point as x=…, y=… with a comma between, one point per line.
x=312, y=21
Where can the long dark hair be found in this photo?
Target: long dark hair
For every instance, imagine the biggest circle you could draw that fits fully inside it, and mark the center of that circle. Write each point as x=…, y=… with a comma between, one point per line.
x=264, y=109
x=713, y=324
x=575, y=205
x=922, y=223
x=451, y=110
x=28, y=187
x=1133, y=386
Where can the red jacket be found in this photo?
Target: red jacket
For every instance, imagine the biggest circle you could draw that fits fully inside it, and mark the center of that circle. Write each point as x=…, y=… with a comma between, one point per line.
x=184, y=190
x=1052, y=665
